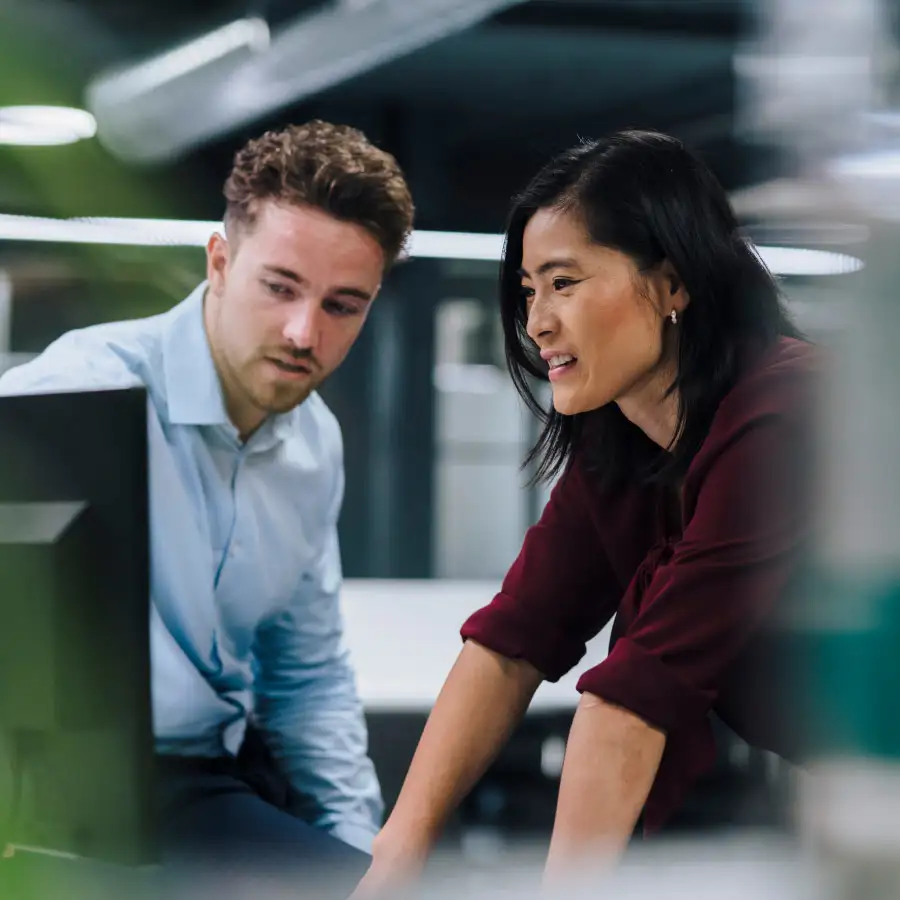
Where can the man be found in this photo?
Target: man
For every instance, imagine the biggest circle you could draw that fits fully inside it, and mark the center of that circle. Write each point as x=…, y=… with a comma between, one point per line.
x=246, y=482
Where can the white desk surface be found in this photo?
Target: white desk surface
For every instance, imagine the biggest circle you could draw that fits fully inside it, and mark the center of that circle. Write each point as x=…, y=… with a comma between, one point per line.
x=404, y=637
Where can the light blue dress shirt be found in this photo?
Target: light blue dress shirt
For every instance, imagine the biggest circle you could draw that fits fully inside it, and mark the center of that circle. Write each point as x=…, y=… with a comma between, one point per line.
x=246, y=574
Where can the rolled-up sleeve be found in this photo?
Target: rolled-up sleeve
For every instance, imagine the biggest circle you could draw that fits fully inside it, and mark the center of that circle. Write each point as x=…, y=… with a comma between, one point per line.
x=558, y=593
x=710, y=594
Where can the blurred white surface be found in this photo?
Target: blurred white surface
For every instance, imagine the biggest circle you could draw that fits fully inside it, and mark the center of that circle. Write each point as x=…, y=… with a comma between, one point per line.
x=481, y=509
x=751, y=866
x=404, y=637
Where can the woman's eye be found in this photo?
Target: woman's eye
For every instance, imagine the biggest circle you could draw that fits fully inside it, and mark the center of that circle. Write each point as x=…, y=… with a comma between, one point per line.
x=560, y=284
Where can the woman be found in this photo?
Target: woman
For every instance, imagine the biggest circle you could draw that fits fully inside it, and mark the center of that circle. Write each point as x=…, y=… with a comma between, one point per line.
x=681, y=426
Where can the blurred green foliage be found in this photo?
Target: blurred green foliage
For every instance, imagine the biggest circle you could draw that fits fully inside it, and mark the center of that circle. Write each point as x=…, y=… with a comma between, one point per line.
x=44, y=62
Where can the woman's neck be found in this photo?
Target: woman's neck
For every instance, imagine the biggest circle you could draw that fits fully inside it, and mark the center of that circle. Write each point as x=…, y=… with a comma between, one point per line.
x=648, y=407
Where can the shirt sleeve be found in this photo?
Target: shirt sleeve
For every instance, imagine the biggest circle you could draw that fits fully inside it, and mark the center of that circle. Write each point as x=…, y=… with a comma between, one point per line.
x=558, y=593
x=73, y=362
x=722, y=580
x=307, y=705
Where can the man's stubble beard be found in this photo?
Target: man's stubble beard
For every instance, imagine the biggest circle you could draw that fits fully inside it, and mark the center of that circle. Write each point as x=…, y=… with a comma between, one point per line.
x=276, y=401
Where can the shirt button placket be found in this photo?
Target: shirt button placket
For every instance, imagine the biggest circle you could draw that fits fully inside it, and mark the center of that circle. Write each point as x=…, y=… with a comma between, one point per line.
x=235, y=542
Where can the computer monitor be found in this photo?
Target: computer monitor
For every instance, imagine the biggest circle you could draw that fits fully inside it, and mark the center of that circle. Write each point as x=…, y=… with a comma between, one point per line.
x=76, y=744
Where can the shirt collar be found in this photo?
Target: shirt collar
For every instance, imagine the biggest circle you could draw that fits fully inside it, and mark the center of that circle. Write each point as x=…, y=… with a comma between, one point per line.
x=193, y=390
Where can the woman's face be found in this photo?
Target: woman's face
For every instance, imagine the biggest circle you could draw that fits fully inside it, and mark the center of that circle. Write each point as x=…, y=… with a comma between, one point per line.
x=597, y=321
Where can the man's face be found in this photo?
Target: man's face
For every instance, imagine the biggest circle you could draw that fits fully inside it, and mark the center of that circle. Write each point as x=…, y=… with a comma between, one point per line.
x=287, y=298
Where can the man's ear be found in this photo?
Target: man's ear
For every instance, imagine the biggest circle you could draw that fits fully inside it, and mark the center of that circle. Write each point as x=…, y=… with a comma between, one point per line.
x=218, y=256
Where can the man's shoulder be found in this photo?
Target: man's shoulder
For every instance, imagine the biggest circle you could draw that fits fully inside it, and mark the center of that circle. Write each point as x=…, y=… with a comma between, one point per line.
x=111, y=355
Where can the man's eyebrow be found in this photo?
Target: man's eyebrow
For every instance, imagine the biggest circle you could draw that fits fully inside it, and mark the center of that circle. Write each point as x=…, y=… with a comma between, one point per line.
x=357, y=293
x=345, y=291
x=565, y=262
x=285, y=273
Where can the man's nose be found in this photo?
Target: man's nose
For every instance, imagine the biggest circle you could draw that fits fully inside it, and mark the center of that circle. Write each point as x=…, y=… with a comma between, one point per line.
x=304, y=325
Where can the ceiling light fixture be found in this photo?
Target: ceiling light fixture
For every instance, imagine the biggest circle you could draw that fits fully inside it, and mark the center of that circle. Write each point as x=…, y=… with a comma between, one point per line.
x=124, y=85
x=37, y=126
x=791, y=261
x=878, y=165
x=801, y=261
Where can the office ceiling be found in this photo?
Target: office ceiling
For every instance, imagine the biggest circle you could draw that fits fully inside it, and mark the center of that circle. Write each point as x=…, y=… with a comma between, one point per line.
x=470, y=116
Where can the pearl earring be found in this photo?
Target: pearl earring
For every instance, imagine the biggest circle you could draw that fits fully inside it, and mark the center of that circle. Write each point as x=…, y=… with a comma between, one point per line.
x=674, y=317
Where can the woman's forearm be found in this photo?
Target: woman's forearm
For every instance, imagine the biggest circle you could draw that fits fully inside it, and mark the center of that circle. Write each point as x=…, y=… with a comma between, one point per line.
x=483, y=698
x=611, y=761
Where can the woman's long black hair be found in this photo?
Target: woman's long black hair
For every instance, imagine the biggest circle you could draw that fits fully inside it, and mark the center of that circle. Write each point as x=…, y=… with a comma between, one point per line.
x=644, y=194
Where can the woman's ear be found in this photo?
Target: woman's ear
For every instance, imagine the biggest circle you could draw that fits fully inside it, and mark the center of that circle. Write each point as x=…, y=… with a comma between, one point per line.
x=674, y=295
x=674, y=285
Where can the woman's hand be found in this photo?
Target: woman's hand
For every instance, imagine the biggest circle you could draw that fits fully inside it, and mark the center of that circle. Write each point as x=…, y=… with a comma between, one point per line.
x=396, y=864
x=481, y=702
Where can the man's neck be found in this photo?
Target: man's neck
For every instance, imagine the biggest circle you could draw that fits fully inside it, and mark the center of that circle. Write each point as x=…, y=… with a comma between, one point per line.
x=247, y=424
x=241, y=411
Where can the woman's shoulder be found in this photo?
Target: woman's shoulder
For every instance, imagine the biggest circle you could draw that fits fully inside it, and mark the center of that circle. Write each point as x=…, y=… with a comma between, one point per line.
x=787, y=358
x=781, y=381
x=777, y=387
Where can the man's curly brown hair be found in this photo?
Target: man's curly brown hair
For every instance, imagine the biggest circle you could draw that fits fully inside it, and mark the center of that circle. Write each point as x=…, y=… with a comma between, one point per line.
x=334, y=168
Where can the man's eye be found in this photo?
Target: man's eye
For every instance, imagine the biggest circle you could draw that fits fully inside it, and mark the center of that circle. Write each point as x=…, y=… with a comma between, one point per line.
x=340, y=309
x=278, y=289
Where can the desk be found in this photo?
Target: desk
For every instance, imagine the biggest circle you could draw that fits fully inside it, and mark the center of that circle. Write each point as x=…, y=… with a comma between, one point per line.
x=404, y=637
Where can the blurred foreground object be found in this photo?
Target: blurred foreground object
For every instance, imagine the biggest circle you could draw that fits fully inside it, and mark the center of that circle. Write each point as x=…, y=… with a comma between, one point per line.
x=820, y=81
x=76, y=747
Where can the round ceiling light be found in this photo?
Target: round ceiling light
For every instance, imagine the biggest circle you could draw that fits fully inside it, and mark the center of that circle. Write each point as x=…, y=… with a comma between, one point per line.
x=801, y=261
x=36, y=126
